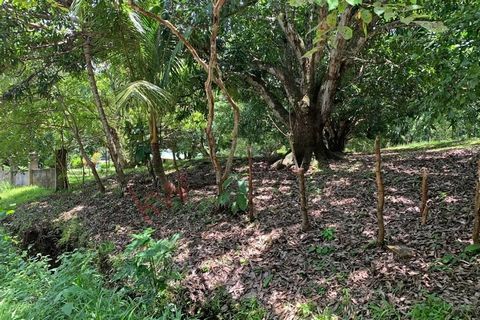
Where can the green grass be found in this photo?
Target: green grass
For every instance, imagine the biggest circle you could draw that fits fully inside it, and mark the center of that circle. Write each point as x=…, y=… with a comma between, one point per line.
x=366, y=146
x=15, y=196
x=435, y=145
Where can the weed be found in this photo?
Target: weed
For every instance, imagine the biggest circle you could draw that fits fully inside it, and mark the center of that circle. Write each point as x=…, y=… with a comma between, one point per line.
x=235, y=199
x=249, y=309
x=320, y=250
x=433, y=308
x=306, y=309
x=148, y=265
x=328, y=234
x=384, y=311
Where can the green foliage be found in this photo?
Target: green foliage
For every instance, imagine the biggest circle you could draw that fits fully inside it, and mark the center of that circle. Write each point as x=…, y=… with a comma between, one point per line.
x=433, y=308
x=148, y=264
x=11, y=197
x=74, y=290
x=472, y=249
x=384, y=311
x=320, y=250
x=234, y=195
x=76, y=162
x=328, y=234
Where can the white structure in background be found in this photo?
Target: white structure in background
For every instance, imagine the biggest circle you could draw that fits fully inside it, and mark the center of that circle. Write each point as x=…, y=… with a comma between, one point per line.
x=34, y=176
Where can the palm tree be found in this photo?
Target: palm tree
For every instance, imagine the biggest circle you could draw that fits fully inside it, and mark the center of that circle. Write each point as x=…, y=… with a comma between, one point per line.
x=155, y=69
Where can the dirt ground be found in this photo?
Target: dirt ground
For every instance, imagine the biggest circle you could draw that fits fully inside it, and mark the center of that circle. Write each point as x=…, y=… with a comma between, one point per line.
x=335, y=264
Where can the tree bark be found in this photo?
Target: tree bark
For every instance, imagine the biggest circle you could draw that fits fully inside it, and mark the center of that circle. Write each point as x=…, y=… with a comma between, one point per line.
x=337, y=133
x=214, y=75
x=157, y=162
x=110, y=133
x=61, y=169
x=380, y=193
x=251, y=209
x=308, y=140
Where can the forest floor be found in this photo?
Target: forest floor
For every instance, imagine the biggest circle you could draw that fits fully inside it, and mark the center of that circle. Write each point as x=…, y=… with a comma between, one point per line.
x=294, y=274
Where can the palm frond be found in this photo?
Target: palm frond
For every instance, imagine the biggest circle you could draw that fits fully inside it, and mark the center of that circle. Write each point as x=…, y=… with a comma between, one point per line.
x=144, y=93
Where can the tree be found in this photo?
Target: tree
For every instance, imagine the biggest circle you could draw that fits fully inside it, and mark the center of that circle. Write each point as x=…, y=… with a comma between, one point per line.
x=154, y=69
x=214, y=76
x=298, y=56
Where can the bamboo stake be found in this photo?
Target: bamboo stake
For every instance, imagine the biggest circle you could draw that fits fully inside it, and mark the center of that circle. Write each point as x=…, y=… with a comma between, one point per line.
x=251, y=209
x=380, y=193
x=424, y=194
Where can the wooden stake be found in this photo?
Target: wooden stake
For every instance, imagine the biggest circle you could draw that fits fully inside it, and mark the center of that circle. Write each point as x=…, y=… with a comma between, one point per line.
x=380, y=193
x=476, y=224
x=424, y=194
x=251, y=209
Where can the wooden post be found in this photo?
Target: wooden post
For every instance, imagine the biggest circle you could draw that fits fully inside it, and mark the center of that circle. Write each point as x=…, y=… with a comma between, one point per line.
x=380, y=193
x=476, y=223
x=424, y=196
x=251, y=209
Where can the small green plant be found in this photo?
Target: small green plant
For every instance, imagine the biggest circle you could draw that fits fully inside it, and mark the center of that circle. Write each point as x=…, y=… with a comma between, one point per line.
x=472, y=249
x=320, y=250
x=234, y=198
x=433, y=308
x=250, y=309
x=383, y=311
x=328, y=234
x=148, y=264
x=306, y=309
x=326, y=314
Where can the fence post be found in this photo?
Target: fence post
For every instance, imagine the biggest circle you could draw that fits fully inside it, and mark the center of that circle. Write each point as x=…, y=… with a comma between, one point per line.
x=32, y=165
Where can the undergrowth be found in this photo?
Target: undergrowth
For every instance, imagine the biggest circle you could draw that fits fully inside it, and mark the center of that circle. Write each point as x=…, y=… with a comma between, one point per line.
x=75, y=289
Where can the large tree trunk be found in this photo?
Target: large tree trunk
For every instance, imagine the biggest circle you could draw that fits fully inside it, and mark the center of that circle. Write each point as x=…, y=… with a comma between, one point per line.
x=110, y=134
x=308, y=142
x=336, y=134
x=157, y=162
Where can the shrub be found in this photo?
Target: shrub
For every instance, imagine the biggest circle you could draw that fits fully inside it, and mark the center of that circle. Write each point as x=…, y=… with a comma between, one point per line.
x=74, y=290
x=234, y=198
x=76, y=162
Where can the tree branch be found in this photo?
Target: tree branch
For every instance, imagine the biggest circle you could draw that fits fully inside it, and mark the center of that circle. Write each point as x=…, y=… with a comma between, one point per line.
x=272, y=102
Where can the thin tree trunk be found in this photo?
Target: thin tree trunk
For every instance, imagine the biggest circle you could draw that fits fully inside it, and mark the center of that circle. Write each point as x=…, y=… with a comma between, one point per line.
x=380, y=193
x=300, y=172
x=251, y=209
x=424, y=193
x=81, y=147
x=214, y=75
x=157, y=162
x=476, y=224
x=112, y=145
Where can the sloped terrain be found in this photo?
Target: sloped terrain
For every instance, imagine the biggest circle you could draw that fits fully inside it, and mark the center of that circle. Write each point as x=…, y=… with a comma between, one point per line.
x=334, y=265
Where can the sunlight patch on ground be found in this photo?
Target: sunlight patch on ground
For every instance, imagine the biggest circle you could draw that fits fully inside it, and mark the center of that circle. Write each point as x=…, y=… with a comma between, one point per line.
x=71, y=214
